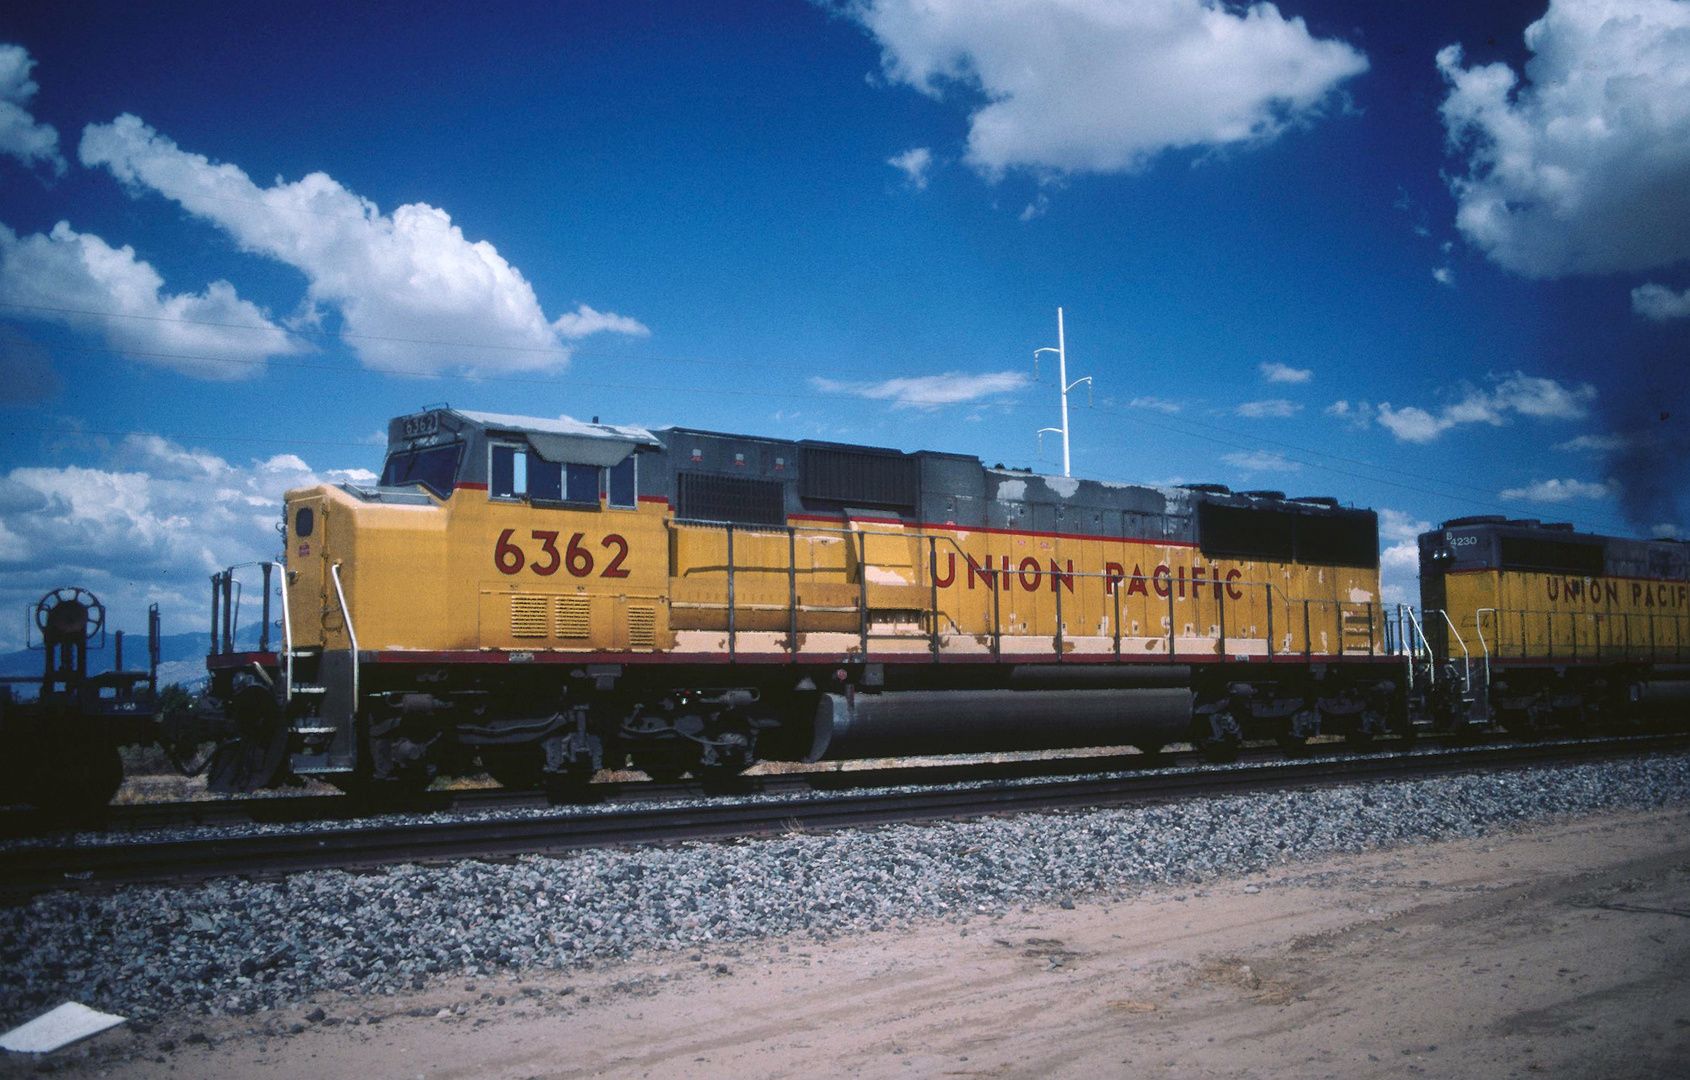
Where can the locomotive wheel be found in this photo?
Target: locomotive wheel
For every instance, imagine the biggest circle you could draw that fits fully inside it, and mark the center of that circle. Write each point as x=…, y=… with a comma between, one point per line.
x=1152, y=757
x=663, y=767
x=1219, y=751
x=518, y=770
x=75, y=778
x=1292, y=745
x=569, y=787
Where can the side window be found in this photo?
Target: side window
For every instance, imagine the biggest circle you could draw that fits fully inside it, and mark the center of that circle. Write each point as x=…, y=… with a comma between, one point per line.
x=622, y=484
x=508, y=477
x=517, y=473
x=545, y=480
x=583, y=484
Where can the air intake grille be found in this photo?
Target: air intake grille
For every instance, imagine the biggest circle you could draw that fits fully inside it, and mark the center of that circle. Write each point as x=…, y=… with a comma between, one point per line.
x=738, y=499
x=642, y=628
x=574, y=617
x=528, y=616
x=861, y=478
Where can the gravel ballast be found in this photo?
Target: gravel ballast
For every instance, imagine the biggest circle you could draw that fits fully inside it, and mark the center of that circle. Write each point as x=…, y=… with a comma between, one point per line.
x=239, y=947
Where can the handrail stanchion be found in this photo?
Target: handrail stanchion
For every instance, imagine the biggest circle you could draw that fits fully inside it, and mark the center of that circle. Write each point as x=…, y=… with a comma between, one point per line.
x=792, y=592
x=1115, y=594
x=862, y=592
x=997, y=620
x=732, y=624
x=933, y=589
x=1057, y=582
x=1173, y=642
x=287, y=639
x=1431, y=660
x=1479, y=628
x=264, y=627
x=351, y=633
x=1466, y=657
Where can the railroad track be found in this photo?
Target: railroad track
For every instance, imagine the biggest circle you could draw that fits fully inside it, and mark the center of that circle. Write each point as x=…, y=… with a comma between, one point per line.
x=282, y=808
x=28, y=870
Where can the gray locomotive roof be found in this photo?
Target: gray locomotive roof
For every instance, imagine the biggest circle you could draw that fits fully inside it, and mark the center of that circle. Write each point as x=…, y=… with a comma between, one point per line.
x=562, y=426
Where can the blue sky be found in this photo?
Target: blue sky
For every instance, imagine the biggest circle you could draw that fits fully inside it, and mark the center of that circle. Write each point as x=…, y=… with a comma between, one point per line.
x=1306, y=247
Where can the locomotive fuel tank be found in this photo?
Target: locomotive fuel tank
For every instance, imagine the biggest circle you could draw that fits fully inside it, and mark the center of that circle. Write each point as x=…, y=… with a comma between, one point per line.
x=942, y=721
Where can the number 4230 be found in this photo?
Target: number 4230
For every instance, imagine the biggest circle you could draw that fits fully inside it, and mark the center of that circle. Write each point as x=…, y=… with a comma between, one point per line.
x=575, y=556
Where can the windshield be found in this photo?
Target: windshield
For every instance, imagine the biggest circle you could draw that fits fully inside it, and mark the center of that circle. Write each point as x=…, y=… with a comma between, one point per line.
x=434, y=467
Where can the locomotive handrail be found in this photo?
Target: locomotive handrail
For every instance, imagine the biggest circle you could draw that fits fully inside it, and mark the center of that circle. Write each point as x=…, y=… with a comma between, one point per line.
x=994, y=576
x=1426, y=646
x=1478, y=626
x=1466, y=657
x=351, y=634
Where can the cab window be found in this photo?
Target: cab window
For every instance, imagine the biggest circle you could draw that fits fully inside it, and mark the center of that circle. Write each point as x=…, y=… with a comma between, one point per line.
x=518, y=473
x=433, y=467
x=620, y=490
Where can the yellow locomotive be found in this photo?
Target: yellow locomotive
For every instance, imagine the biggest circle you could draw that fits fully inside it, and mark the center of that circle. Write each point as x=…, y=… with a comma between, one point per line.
x=1547, y=627
x=550, y=595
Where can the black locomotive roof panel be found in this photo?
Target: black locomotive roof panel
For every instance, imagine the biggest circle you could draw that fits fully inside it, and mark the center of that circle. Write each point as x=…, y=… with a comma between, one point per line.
x=1497, y=543
x=754, y=480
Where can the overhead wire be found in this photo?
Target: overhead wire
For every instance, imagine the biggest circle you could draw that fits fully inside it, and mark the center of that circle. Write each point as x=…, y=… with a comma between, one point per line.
x=1137, y=414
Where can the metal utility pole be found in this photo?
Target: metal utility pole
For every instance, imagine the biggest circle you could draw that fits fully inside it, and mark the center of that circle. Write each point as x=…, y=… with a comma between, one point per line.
x=1062, y=385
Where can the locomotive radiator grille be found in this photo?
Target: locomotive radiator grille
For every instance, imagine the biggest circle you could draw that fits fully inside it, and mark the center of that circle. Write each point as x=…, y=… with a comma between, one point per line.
x=528, y=616
x=574, y=617
x=642, y=628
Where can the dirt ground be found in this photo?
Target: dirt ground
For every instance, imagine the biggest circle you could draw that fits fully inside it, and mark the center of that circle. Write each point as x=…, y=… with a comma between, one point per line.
x=1561, y=951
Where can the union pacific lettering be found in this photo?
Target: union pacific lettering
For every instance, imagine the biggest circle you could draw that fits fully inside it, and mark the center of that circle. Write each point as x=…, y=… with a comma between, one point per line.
x=1031, y=575
x=1581, y=592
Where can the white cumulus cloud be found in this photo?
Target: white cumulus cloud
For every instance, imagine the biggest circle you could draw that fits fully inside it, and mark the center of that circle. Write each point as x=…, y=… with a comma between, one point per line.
x=1399, y=573
x=1272, y=409
x=1397, y=526
x=1583, y=168
x=1356, y=415
x=1558, y=491
x=148, y=525
x=1659, y=303
x=928, y=392
x=1444, y=276
x=913, y=163
x=1260, y=461
x=1100, y=86
x=1518, y=394
x=79, y=280
x=584, y=321
x=20, y=135
x=1155, y=404
x=412, y=291
x=1275, y=372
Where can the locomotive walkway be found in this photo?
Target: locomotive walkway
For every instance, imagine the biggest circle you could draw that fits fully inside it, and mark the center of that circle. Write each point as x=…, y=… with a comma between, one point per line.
x=25, y=870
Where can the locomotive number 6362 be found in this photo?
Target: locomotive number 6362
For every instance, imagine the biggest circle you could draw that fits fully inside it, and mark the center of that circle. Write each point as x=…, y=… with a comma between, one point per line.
x=575, y=556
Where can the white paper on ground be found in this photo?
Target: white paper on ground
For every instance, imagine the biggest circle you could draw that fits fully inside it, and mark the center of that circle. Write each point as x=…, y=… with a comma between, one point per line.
x=61, y=1027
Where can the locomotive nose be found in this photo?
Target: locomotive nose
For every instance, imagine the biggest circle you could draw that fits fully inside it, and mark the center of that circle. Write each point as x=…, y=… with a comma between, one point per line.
x=68, y=620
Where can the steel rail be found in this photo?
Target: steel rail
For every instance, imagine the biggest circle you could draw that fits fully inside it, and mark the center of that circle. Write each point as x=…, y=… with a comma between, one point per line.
x=284, y=808
x=28, y=870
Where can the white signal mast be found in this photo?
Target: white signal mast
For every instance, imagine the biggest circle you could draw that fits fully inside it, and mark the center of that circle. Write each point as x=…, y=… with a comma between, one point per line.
x=1063, y=386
